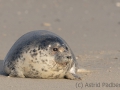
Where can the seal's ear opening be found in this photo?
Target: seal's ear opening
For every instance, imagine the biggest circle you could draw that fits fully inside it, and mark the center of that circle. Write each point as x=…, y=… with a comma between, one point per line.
x=66, y=48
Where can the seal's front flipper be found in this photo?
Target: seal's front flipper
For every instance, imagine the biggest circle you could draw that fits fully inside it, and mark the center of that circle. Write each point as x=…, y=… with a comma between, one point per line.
x=72, y=76
x=15, y=73
x=72, y=73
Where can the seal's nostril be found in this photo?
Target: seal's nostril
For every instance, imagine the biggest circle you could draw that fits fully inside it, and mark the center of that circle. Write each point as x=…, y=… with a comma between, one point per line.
x=68, y=57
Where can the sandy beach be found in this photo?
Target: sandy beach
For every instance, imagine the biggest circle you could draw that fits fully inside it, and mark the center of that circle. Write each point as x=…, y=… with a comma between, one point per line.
x=90, y=27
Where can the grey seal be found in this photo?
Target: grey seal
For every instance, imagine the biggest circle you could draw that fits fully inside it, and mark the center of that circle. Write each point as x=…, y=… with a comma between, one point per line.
x=41, y=54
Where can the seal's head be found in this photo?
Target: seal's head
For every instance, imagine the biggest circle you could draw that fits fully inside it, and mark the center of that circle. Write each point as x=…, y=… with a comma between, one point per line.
x=58, y=50
x=60, y=53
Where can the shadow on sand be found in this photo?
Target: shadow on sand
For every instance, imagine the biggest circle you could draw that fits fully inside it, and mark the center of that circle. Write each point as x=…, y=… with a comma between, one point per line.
x=1, y=68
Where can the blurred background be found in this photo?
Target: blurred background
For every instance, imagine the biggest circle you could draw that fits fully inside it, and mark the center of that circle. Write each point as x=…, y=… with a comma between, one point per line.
x=86, y=25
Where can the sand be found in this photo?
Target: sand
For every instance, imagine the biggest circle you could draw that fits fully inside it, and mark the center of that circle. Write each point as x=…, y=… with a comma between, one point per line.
x=90, y=27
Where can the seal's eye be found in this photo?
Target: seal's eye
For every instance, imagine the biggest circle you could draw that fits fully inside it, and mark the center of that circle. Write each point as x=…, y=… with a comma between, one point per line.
x=55, y=49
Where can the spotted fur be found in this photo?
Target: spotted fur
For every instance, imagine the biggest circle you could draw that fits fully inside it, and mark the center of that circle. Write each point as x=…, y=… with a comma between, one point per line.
x=41, y=54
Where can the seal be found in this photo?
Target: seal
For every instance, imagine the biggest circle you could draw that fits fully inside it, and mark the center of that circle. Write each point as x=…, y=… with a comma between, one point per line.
x=41, y=54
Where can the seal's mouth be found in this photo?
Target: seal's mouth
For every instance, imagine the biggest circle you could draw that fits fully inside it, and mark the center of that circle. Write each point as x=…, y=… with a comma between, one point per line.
x=63, y=64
